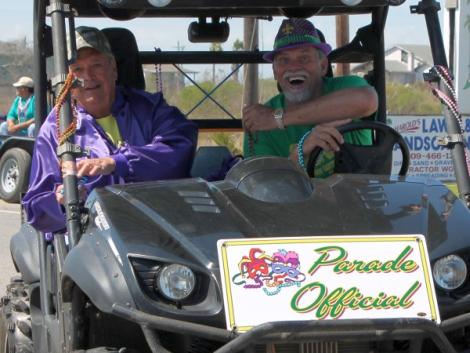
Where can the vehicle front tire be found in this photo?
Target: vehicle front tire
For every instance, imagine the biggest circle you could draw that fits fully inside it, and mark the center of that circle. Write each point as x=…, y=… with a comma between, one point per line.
x=15, y=319
x=14, y=174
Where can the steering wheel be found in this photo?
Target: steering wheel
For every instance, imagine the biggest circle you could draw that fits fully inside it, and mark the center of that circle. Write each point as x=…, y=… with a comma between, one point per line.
x=373, y=159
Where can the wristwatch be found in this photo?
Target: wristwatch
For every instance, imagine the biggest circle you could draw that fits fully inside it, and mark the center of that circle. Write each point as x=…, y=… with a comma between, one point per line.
x=279, y=118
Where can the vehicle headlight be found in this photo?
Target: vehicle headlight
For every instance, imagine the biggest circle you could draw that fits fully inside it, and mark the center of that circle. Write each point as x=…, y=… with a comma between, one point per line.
x=159, y=3
x=113, y=4
x=450, y=272
x=351, y=2
x=176, y=282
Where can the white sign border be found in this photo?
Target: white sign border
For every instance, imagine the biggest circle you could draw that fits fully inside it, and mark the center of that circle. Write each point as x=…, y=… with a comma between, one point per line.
x=223, y=244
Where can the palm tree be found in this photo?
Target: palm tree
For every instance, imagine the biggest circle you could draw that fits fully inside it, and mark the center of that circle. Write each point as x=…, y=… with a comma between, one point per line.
x=215, y=47
x=237, y=46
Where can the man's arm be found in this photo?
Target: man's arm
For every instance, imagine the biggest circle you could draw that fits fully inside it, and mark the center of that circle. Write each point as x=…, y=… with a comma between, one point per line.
x=13, y=128
x=348, y=103
x=43, y=211
x=169, y=150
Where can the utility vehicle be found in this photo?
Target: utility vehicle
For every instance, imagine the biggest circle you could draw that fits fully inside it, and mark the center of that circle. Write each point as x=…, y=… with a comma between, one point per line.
x=268, y=259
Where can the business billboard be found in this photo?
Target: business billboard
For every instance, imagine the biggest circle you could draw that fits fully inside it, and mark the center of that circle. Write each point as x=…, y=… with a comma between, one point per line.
x=428, y=158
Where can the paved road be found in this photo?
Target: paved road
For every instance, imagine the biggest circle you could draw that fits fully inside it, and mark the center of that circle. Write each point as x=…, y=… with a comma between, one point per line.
x=9, y=225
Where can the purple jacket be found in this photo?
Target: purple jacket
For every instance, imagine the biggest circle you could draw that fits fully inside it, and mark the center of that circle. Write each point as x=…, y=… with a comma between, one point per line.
x=159, y=144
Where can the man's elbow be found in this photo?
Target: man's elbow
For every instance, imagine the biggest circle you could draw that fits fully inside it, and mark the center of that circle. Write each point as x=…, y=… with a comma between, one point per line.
x=370, y=101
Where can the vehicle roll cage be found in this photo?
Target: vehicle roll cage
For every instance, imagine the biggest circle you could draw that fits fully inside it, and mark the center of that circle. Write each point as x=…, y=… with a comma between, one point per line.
x=368, y=45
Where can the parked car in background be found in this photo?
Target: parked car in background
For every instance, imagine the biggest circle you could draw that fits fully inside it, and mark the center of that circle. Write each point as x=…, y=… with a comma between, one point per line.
x=15, y=163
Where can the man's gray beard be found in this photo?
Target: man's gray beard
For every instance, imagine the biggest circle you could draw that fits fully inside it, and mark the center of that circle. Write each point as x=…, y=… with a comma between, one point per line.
x=298, y=97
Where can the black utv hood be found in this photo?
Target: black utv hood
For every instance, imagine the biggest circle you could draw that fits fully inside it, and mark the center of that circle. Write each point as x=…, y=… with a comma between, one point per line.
x=182, y=220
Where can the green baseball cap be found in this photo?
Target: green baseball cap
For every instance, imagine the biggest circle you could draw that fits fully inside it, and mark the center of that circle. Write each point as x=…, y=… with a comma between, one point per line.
x=91, y=37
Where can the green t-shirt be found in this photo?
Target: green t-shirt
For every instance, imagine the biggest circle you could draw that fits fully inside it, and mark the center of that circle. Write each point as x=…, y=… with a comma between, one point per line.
x=280, y=142
x=21, y=110
x=110, y=127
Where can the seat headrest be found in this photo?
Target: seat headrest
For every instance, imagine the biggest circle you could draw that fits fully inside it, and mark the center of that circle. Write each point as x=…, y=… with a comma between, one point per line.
x=126, y=53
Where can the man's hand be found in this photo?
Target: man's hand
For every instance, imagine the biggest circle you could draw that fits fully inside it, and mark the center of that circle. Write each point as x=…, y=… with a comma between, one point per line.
x=258, y=117
x=95, y=166
x=325, y=136
x=14, y=128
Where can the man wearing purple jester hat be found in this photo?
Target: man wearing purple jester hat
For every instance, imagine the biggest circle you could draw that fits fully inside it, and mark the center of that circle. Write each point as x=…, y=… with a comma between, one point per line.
x=308, y=99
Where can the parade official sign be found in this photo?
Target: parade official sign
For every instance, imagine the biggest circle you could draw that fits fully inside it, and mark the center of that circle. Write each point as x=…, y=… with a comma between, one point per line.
x=325, y=278
x=427, y=158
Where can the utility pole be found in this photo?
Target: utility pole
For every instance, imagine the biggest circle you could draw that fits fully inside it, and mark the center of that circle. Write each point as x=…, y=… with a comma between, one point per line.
x=342, y=38
x=250, y=42
x=179, y=47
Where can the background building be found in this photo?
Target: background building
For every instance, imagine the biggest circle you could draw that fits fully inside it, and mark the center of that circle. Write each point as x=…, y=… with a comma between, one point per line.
x=404, y=63
x=172, y=79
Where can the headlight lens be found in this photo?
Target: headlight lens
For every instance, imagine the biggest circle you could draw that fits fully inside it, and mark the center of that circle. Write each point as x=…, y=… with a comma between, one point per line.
x=450, y=272
x=351, y=2
x=159, y=3
x=113, y=4
x=176, y=282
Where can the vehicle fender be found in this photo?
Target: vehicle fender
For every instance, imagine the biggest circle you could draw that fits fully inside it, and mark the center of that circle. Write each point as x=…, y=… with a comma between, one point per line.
x=94, y=268
x=25, y=143
x=25, y=252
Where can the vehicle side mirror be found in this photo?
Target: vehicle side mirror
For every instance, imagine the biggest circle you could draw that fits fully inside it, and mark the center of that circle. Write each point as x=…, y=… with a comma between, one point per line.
x=203, y=32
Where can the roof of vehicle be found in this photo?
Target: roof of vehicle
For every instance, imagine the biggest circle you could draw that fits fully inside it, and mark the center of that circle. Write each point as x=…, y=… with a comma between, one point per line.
x=235, y=8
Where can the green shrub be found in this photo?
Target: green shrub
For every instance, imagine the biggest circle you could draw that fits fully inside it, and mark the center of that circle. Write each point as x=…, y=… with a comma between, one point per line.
x=415, y=99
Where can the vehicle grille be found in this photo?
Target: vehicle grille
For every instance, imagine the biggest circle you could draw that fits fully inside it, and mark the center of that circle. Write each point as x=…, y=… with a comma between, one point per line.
x=191, y=344
x=316, y=347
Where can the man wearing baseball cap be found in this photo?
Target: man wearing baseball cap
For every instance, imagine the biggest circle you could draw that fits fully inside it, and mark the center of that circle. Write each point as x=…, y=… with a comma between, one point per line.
x=20, y=117
x=308, y=99
x=131, y=135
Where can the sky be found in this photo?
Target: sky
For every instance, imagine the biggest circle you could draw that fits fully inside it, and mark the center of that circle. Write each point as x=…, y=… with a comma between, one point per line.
x=171, y=34
x=402, y=28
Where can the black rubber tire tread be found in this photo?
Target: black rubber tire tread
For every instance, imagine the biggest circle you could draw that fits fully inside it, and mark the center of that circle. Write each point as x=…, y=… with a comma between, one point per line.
x=23, y=160
x=14, y=323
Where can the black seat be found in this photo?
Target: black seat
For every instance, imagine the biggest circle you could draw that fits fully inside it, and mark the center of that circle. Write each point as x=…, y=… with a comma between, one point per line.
x=360, y=49
x=126, y=53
